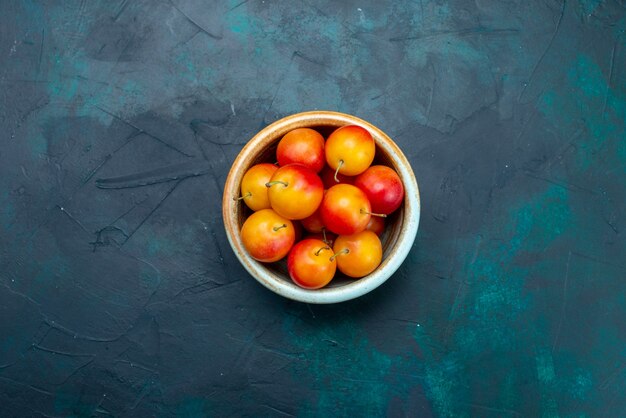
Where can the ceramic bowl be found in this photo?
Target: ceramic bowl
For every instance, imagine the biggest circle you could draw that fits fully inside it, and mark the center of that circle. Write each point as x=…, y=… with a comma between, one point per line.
x=401, y=226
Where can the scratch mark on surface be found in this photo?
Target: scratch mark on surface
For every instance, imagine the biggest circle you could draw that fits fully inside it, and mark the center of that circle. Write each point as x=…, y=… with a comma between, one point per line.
x=68, y=377
x=4, y=366
x=76, y=221
x=407, y=321
x=280, y=353
x=440, y=277
x=540, y=60
x=310, y=310
x=238, y=5
x=203, y=129
x=599, y=261
x=119, y=57
x=609, y=82
x=25, y=296
x=564, y=303
x=459, y=33
x=153, y=210
x=147, y=388
x=526, y=124
x=74, y=334
x=280, y=83
x=197, y=141
x=109, y=228
x=121, y=7
x=218, y=248
x=561, y=153
x=159, y=175
x=60, y=353
x=96, y=296
x=96, y=168
x=107, y=157
x=210, y=289
x=308, y=59
x=40, y=53
x=117, y=319
x=195, y=286
x=100, y=82
x=432, y=93
x=158, y=273
x=489, y=408
x=21, y=80
x=194, y=23
x=350, y=379
x=455, y=303
x=81, y=18
x=326, y=15
x=567, y=186
x=612, y=377
x=610, y=224
x=99, y=409
x=24, y=172
x=132, y=125
x=332, y=342
x=35, y=388
x=133, y=364
x=281, y=412
x=184, y=42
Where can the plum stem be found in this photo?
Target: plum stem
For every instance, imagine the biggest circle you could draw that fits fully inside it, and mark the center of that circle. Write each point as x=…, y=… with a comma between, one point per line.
x=344, y=251
x=337, y=170
x=271, y=183
x=242, y=197
x=276, y=228
x=320, y=250
x=382, y=215
x=324, y=236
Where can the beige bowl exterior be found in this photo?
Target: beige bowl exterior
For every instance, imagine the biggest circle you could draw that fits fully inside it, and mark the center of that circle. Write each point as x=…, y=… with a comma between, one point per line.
x=397, y=240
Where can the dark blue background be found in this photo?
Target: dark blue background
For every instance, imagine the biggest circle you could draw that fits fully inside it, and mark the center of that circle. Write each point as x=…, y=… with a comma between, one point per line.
x=128, y=301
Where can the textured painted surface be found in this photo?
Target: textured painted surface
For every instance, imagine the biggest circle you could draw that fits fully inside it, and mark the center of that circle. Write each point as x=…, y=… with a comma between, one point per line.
x=122, y=297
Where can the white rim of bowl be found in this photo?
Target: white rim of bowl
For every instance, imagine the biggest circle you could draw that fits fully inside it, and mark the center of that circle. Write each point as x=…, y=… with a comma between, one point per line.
x=360, y=286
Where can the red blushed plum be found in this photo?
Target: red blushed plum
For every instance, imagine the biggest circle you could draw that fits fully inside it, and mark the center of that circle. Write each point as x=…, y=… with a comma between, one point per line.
x=302, y=146
x=326, y=236
x=314, y=222
x=267, y=236
x=383, y=188
x=328, y=178
x=376, y=225
x=311, y=264
x=345, y=209
x=295, y=191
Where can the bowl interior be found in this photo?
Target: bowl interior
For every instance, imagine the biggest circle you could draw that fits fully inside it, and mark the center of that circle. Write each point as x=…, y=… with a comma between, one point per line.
x=267, y=154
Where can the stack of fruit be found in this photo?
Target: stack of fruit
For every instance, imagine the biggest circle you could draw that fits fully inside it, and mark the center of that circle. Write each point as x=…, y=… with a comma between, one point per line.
x=330, y=189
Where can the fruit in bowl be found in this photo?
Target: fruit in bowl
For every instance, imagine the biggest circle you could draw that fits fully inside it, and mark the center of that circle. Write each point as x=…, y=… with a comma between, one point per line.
x=331, y=171
x=296, y=192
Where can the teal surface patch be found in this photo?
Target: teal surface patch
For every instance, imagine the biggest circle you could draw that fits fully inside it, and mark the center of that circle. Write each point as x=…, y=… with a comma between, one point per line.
x=193, y=408
x=7, y=211
x=490, y=318
x=592, y=108
x=355, y=386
